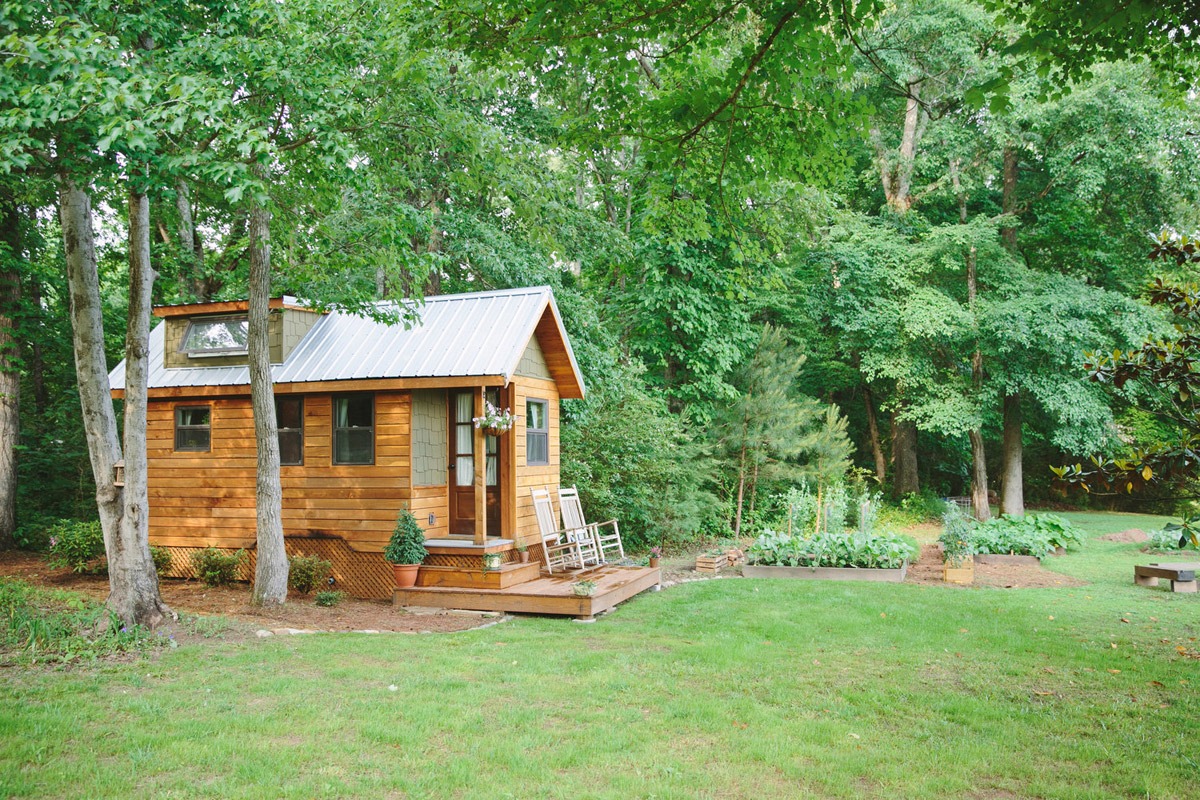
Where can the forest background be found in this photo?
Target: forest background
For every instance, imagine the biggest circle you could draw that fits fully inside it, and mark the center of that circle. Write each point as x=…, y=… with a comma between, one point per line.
x=786, y=238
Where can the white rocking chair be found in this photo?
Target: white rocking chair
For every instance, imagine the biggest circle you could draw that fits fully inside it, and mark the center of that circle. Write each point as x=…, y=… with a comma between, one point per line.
x=572, y=516
x=561, y=549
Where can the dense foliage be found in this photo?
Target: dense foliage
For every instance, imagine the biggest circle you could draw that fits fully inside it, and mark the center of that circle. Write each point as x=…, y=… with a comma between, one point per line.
x=784, y=240
x=860, y=550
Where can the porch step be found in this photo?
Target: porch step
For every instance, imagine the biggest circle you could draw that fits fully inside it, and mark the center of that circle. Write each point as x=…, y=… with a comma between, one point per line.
x=475, y=578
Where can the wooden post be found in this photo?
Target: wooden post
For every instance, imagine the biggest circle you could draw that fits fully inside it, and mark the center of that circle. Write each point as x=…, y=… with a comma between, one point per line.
x=480, y=474
x=508, y=472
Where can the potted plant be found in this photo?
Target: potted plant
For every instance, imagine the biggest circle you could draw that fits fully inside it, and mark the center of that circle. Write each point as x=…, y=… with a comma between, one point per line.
x=655, y=555
x=494, y=421
x=958, y=548
x=491, y=561
x=583, y=588
x=406, y=549
x=523, y=552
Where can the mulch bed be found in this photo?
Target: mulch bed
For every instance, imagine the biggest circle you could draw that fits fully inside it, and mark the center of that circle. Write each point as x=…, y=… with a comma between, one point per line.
x=928, y=570
x=233, y=602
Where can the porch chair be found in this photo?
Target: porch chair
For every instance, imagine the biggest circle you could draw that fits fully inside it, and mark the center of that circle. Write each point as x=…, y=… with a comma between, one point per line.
x=562, y=550
x=572, y=517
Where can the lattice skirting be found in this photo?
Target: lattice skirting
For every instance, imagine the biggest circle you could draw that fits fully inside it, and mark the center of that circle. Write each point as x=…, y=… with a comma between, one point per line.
x=473, y=561
x=364, y=575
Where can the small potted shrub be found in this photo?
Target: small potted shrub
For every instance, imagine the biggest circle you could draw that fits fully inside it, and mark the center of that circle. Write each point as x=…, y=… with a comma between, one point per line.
x=958, y=548
x=655, y=555
x=406, y=549
x=523, y=552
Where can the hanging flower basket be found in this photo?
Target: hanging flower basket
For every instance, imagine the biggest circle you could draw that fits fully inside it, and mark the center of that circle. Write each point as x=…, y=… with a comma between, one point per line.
x=495, y=422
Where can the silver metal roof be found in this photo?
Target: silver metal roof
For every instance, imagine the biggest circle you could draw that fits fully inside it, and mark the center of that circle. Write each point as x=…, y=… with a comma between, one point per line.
x=462, y=335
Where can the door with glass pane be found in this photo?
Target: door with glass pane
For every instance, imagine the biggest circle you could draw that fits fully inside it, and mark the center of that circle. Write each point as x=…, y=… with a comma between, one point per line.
x=462, y=466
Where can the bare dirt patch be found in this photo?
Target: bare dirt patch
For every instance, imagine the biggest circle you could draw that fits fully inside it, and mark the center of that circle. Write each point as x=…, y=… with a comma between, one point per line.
x=1131, y=536
x=233, y=602
x=928, y=570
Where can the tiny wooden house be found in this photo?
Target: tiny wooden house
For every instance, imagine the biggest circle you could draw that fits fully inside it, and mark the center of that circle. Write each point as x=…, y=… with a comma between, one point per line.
x=372, y=417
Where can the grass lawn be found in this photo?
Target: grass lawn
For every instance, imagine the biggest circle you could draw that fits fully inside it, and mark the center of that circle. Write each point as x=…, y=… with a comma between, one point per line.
x=713, y=689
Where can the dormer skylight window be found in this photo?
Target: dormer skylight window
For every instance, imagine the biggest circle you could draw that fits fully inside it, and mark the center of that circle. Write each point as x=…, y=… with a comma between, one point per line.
x=216, y=336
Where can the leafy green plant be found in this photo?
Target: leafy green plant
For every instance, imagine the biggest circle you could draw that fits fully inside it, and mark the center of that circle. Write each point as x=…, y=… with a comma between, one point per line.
x=861, y=550
x=75, y=543
x=407, y=545
x=306, y=573
x=1031, y=535
x=1168, y=539
x=217, y=568
x=585, y=588
x=161, y=557
x=958, y=536
x=45, y=625
x=329, y=598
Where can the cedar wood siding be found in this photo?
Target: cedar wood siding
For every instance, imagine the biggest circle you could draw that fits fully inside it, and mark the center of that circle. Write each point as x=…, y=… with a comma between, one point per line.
x=207, y=499
x=534, y=477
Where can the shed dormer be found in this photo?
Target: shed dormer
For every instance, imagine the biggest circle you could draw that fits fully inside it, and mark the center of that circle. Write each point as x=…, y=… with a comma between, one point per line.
x=214, y=334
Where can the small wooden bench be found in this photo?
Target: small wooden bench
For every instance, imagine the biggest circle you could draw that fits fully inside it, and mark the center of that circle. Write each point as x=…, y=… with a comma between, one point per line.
x=1182, y=575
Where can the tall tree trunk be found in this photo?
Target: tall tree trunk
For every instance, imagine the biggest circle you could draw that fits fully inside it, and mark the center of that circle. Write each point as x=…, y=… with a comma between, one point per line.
x=37, y=363
x=904, y=454
x=271, y=568
x=132, y=577
x=979, y=477
x=873, y=430
x=1008, y=234
x=95, y=400
x=1012, y=488
x=741, y=493
x=191, y=249
x=10, y=376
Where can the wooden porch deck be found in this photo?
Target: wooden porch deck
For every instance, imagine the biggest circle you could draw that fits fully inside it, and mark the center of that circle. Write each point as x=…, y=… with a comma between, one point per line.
x=549, y=594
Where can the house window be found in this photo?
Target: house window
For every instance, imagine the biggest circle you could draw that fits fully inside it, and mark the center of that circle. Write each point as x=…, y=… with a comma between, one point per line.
x=193, y=428
x=354, y=429
x=537, y=432
x=216, y=336
x=289, y=416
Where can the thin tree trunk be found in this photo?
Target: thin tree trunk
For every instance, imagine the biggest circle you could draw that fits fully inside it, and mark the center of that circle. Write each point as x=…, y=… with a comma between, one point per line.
x=95, y=396
x=1012, y=490
x=873, y=430
x=741, y=494
x=10, y=375
x=904, y=453
x=190, y=248
x=1008, y=234
x=979, y=493
x=271, y=569
x=37, y=363
x=753, y=489
x=132, y=578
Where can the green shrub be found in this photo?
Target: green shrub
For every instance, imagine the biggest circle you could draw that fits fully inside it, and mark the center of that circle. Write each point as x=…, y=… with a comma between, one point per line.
x=306, y=573
x=829, y=549
x=75, y=543
x=1168, y=540
x=1031, y=535
x=217, y=568
x=161, y=557
x=329, y=598
x=407, y=545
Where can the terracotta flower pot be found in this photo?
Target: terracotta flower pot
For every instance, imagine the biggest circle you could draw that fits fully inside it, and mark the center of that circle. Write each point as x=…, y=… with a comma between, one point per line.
x=523, y=555
x=406, y=575
x=653, y=562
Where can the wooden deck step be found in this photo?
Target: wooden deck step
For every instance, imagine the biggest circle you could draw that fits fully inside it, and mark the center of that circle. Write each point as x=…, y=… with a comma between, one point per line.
x=544, y=595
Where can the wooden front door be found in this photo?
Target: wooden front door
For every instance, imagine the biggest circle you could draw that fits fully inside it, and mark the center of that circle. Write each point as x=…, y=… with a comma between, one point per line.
x=462, y=466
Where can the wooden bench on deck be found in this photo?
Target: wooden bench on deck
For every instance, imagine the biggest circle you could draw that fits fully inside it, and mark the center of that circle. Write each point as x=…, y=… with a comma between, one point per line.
x=1182, y=575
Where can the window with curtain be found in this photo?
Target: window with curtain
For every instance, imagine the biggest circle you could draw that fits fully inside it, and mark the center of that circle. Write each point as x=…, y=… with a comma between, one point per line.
x=289, y=416
x=354, y=429
x=537, y=432
x=193, y=428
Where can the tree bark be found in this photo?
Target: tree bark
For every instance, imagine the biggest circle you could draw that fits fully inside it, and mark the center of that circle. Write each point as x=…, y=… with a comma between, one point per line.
x=873, y=430
x=904, y=453
x=10, y=375
x=1008, y=234
x=741, y=494
x=1012, y=488
x=271, y=568
x=979, y=478
x=190, y=247
x=132, y=577
x=95, y=400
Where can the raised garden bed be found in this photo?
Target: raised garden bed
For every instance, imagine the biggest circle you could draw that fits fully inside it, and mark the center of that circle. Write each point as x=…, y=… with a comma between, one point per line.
x=710, y=563
x=827, y=573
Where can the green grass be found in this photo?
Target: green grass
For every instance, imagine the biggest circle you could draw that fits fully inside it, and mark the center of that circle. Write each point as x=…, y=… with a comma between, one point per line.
x=715, y=689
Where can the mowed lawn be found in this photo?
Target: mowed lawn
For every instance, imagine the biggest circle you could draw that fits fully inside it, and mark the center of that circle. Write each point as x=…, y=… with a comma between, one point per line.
x=714, y=689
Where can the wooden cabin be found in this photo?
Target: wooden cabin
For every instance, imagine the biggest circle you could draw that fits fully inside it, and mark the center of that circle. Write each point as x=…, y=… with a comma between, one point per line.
x=372, y=417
